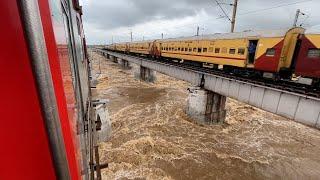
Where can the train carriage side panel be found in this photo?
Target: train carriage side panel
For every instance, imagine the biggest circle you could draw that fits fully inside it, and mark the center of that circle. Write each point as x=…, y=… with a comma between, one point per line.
x=142, y=47
x=230, y=52
x=308, y=62
x=268, y=54
x=25, y=151
x=62, y=57
x=275, y=54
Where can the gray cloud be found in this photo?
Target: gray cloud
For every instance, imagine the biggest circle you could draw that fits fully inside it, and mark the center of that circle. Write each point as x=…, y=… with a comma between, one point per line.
x=110, y=15
x=114, y=14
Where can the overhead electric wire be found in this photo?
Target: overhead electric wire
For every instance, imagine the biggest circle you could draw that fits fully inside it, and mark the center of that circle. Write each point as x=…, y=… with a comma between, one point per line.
x=226, y=15
x=274, y=7
x=269, y=8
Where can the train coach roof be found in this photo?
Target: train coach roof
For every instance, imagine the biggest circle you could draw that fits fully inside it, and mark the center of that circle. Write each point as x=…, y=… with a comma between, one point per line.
x=237, y=35
x=133, y=42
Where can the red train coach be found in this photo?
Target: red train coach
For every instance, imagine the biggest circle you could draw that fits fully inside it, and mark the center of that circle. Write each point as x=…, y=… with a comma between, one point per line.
x=307, y=64
x=48, y=123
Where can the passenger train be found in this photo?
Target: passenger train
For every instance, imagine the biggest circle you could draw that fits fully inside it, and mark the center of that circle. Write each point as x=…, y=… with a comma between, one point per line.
x=285, y=54
x=49, y=121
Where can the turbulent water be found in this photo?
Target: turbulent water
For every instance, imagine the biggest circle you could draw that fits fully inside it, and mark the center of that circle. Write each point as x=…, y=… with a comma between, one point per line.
x=153, y=138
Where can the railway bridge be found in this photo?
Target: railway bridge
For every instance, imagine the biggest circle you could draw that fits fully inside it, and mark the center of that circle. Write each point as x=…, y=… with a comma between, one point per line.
x=207, y=96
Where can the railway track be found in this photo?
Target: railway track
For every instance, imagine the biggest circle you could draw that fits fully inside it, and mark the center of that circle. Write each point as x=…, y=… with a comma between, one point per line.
x=281, y=84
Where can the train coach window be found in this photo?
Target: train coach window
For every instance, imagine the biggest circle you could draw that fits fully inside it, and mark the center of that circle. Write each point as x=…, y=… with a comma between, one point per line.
x=182, y=49
x=185, y=49
x=270, y=52
x=224, y=50
x=199, y=50
x=241, y=51
x=211, y=49
x=178, y=49
x=205, y=50
x=314, y=53
x=217, y=50
x=190, y=49
x=232, y=51
x=194, y=49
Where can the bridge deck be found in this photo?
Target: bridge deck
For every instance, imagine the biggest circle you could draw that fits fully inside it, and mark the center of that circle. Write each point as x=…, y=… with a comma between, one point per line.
x=301, y=108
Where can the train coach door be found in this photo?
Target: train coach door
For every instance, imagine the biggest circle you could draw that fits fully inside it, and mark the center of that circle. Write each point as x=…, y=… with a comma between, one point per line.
x=252, y=49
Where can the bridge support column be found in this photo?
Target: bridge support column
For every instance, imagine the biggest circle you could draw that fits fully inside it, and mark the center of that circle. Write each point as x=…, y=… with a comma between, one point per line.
x=145, y=74
x=206, y=107
x=124, y=63
x=114, y=59
x=108, y=56
x=111, y=57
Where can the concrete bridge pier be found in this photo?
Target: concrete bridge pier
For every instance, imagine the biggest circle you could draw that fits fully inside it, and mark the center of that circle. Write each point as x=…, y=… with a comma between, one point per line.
x=206, y=107
x=111, y=57
x=124, y=63
x=114, y=59
x=145, y=74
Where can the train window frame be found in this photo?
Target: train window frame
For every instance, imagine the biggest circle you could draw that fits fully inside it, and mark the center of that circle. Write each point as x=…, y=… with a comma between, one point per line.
x=186, y=49
x=205, y=50
x=270, y=52
x=241, y=51
x=232, y=51
x=217, y=50
x=199, y=50
x=315, y=53
x=182, y=49
x=190, y=49
x=194, y=49
x=224, y=50
x=210, y=49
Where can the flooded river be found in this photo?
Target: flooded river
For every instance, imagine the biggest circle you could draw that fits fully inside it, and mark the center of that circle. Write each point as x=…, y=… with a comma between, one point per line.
x=153, y=138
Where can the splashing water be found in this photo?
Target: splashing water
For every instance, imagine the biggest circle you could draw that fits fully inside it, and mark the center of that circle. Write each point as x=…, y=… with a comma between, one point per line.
x=153, y=138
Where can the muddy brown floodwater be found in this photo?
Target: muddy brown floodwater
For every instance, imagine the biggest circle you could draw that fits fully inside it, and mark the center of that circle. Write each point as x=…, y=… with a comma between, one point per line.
x=153, y=138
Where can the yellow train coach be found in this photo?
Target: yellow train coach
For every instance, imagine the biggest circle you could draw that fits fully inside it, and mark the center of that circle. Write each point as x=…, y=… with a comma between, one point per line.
x=263, y=50
x=276, y=54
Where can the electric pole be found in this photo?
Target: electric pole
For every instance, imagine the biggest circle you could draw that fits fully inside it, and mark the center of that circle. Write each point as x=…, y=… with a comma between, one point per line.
x=296, y=18
x=234, y=14
x=131, y=35
x=161, y=35
x=298, y=13
x=198, y=28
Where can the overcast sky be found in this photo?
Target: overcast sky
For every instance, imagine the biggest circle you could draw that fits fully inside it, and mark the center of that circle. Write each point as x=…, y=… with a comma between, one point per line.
x=105, y=20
